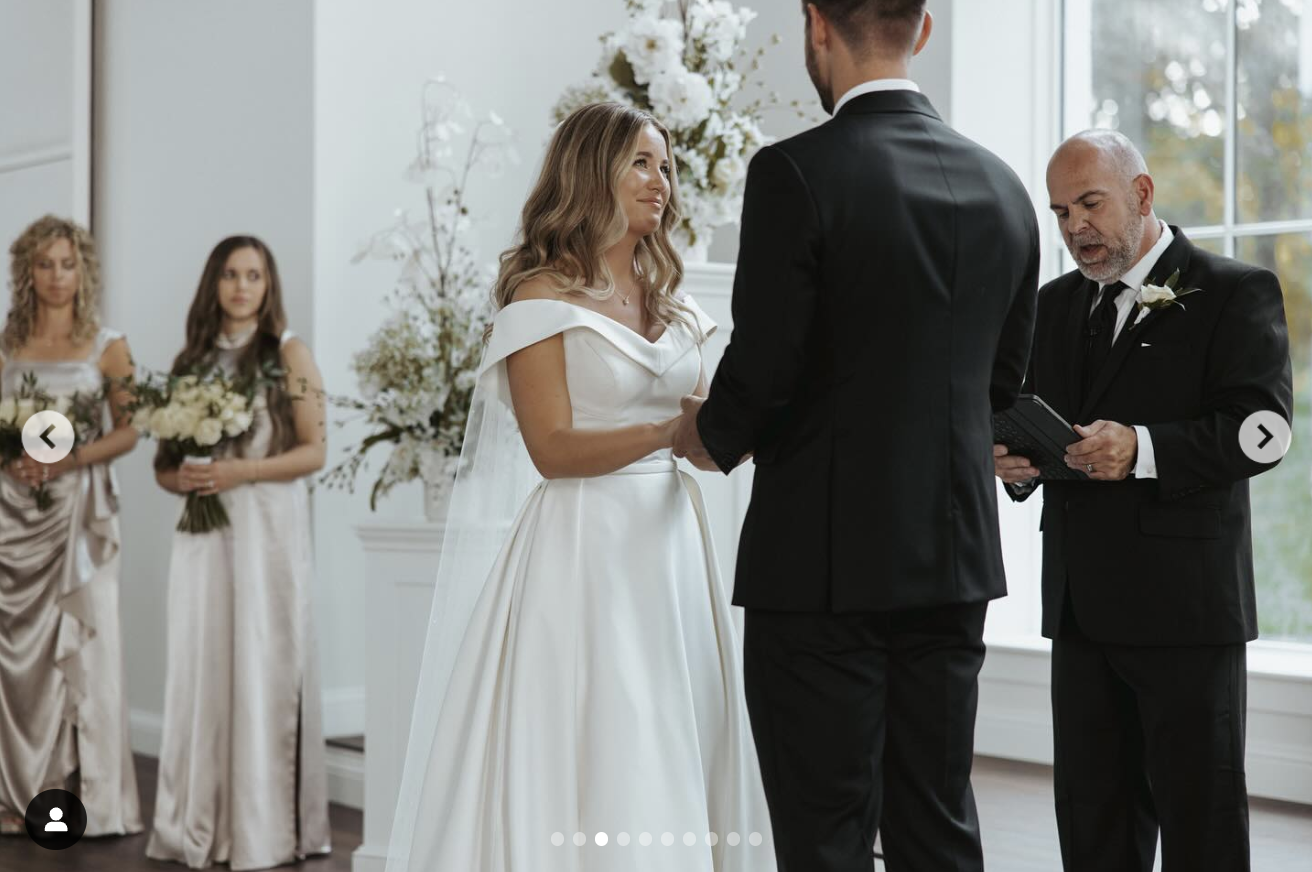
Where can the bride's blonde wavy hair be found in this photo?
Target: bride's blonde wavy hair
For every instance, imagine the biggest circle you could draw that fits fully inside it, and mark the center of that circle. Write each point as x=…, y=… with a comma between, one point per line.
x=573, y=216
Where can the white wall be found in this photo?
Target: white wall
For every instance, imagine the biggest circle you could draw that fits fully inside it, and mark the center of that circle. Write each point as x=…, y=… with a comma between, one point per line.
x=203, y=115
x=45, y=115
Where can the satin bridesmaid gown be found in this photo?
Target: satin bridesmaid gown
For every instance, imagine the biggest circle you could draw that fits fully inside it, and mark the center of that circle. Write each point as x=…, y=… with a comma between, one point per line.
x=242, y=773
x=63, y=706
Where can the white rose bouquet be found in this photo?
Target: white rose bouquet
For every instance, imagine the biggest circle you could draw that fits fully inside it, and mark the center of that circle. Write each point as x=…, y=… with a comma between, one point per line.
x=194, y=416
x=83, y=411
x=682, y=63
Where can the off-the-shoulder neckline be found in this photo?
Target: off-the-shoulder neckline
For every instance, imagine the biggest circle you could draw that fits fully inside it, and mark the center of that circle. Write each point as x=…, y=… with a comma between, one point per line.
x=625, y=327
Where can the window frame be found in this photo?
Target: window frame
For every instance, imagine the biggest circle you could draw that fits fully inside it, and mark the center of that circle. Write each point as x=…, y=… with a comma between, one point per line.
x=1282, y=657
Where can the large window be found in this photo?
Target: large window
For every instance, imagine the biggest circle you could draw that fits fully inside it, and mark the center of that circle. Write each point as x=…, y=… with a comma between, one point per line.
x=1218, y=94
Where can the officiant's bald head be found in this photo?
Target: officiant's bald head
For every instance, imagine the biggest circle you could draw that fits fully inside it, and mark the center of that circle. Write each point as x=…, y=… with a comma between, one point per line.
x=1123, y=157
x=1102, y=196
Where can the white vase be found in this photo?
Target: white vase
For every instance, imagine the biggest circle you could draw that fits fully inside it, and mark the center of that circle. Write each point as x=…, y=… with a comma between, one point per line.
x=439, y=483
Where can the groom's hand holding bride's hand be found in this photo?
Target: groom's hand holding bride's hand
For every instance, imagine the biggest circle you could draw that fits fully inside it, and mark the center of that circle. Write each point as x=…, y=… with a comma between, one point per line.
x=687, y=441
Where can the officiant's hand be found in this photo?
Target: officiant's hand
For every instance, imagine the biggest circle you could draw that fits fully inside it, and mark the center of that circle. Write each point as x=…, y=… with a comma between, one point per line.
x=1012, y=468
x=1106, y=453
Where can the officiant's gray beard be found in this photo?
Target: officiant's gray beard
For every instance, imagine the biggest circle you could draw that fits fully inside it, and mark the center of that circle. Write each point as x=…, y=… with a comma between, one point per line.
x=1122, y=252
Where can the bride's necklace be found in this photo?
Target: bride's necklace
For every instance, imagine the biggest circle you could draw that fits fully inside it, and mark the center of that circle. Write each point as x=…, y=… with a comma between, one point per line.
x=624, y=298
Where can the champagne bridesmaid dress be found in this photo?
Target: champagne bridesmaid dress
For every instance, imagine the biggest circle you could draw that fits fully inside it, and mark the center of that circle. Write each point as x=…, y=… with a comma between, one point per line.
x=63, y=706
x=242, y=773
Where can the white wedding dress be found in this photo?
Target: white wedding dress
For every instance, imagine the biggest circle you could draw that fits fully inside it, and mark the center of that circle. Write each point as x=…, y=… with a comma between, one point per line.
x=598, y=686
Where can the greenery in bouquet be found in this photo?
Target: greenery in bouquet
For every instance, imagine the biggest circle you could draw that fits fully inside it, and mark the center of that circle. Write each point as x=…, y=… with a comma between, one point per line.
x=83, y=410
x=194, y=416
x=684, y=62
x=416, y=374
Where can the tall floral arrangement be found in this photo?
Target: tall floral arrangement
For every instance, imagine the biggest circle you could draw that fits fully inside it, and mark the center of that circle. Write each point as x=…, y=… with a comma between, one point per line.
x=684, y=62
x=416, y=374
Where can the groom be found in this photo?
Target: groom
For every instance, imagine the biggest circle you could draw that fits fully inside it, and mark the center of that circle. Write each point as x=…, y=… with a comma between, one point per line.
x=883, y=308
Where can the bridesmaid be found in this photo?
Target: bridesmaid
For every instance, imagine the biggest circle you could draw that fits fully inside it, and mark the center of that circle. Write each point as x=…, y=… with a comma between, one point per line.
x=242, y=777
x=62, y=700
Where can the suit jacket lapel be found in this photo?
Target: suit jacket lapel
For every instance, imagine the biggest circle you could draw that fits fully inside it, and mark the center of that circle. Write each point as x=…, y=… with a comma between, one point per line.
x=1176, y=257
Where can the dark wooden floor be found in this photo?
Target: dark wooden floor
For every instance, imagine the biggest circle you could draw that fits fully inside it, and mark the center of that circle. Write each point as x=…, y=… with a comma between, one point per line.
x=1020, y=830
x=128, y=854
x=1015, y=809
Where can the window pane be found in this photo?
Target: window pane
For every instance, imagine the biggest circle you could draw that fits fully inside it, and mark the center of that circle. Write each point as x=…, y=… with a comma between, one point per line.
x=1215, y=246
x=1156, y=72
x=1282, y=498
x=1275, y=111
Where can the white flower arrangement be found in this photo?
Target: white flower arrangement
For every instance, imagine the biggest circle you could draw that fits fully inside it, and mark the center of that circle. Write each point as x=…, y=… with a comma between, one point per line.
x=681, y=63
x=416, y=375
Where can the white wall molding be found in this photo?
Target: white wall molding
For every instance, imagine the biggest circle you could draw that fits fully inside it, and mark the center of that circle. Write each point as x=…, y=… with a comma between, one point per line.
x=343, y=711
x=1015, y=718
x=19, y=161
x=345, y=777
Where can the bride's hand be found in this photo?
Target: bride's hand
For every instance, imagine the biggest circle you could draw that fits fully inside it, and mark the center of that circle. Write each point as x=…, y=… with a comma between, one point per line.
x=669, y=431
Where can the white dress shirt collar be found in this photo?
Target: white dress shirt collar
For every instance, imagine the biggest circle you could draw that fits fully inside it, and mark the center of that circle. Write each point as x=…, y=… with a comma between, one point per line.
x=876, y=85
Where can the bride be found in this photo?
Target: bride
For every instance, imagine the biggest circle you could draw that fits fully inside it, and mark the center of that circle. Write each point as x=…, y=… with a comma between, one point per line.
x=580, y=706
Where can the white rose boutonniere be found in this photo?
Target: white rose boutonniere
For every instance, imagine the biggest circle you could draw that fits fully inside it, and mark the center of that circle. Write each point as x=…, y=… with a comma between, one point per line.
x=1153, y=297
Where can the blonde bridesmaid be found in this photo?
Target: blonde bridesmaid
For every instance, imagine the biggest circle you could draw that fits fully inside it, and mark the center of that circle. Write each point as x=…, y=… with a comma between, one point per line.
x=242, y=775
x=63, y=710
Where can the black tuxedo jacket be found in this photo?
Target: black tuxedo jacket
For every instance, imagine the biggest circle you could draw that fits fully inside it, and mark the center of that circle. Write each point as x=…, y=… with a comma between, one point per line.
x=1165, y=561
x=883, y=309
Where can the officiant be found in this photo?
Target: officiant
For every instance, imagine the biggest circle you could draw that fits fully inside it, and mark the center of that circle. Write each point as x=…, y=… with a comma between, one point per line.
x=1158, y=351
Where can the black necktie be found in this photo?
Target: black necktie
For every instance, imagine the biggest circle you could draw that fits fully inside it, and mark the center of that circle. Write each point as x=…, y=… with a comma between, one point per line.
x=1100, y=332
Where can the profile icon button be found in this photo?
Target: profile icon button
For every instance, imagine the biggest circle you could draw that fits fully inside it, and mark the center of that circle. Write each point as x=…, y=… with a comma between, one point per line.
x=56, y=820
x=56, y=824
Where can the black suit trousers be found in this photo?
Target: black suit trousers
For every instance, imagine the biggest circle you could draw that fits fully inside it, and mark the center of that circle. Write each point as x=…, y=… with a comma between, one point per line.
x=865, y=723
x=1149, y=738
